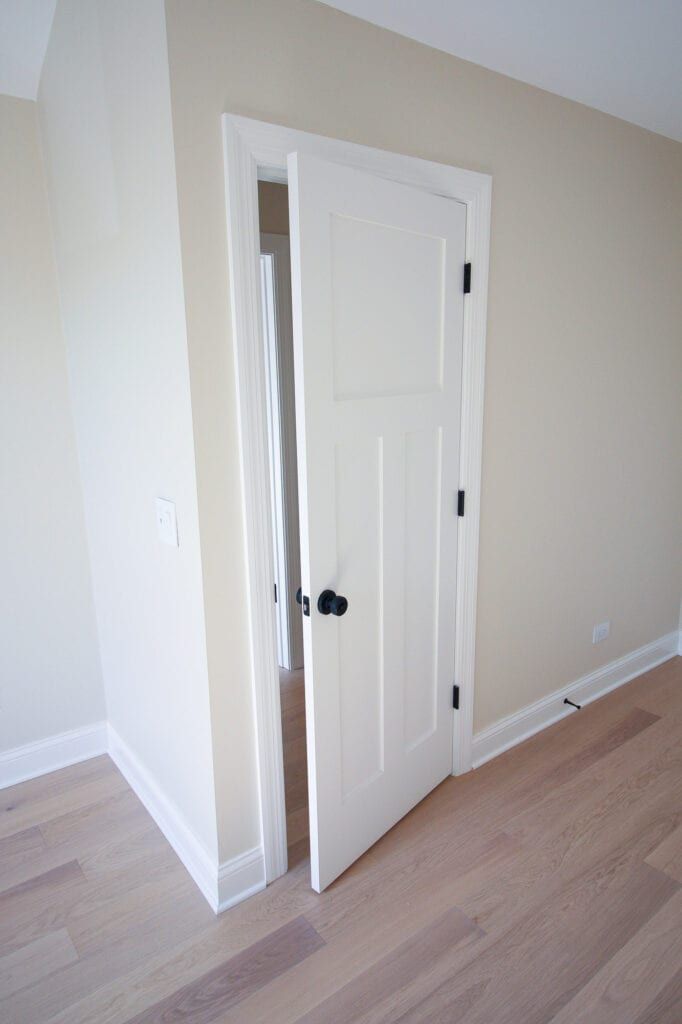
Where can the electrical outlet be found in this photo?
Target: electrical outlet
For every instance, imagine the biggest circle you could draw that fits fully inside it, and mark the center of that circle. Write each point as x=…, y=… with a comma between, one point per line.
x=600, y=632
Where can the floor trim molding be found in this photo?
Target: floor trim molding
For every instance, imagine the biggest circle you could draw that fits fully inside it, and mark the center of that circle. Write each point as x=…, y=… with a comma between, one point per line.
x=226, y=884
x=239, y=878
x=223, y=885
x=515, y=728
x=49, y=755
x=191, y=852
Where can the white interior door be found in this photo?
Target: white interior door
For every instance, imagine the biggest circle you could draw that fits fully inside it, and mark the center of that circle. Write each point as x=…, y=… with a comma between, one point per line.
x=377, y=272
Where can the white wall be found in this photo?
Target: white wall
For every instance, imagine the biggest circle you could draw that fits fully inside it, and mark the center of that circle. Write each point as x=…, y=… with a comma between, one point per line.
x=105, y=110
x=50, y=678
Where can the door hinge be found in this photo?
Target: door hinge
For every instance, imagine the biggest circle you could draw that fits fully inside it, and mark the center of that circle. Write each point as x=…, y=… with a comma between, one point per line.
x=467, y=278
x=460, y=503
x=455, y=697
x=275, y=593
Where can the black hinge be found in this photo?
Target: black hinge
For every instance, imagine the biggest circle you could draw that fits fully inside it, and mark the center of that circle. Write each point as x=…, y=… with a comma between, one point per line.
x=275, y=593
x=460, y=503
x=467, y=278
x=455, y=697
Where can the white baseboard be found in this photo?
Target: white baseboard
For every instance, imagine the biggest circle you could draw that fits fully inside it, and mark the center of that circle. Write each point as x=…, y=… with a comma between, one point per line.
x=525, y=723
x=239, y=878
x=226, y=884
x=51, y=754
x=223, y=885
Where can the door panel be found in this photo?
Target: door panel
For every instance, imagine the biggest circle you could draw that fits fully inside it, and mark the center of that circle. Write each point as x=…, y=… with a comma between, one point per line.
x=358, y=542
x=421, y=584
x=378, y=312
x=388, y=309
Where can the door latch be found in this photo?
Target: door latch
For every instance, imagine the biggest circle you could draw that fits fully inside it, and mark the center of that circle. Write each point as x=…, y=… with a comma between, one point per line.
x=303, y=600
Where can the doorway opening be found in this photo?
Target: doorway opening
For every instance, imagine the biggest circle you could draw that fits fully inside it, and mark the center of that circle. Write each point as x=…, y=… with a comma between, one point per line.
x=275, y=281
x=389, y=347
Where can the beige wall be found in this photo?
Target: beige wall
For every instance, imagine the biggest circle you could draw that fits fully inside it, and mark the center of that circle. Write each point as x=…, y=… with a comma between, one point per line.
x=581, y=476
x=50, y=677
x=105, y=110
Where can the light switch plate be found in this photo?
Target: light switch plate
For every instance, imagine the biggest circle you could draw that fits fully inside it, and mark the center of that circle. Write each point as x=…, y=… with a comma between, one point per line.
x=166, y=522
x=600, y=632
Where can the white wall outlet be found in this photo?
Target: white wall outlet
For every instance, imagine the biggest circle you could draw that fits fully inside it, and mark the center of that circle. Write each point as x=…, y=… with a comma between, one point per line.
x=166, y=523
x=600, y=632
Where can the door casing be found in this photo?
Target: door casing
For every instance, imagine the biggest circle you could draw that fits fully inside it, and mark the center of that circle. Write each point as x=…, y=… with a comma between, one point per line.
x=256, y=150
x=278, y=311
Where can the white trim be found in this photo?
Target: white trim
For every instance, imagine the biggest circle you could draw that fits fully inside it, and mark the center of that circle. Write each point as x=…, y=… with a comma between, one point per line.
x=268, y=288
x=239, y=878
x=470, y=462
x=277, y=316
x=233, y=881
x=201, y=866
x=679, y=643
x=244, y=256
x=253, y=150
x=525, y=723
x=51, y=754
x=223, y=885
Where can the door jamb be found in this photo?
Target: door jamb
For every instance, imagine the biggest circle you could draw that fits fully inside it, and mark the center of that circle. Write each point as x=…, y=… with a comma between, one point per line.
x=256, y=150
x=280, y=388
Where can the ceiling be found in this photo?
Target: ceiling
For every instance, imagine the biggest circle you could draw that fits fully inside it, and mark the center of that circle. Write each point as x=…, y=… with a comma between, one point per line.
x=24, y=33
x=621, y=56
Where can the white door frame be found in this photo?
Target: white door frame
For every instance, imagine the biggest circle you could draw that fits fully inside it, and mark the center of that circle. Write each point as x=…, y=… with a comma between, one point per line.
x=256, y=150
x=277, y=312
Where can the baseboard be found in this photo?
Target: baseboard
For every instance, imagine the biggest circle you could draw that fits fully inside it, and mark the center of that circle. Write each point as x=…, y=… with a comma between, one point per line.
x=522, y=724
x=239, y=878
x=226, y=884
x=51, y=754
x=200, y=864
x=223, y=885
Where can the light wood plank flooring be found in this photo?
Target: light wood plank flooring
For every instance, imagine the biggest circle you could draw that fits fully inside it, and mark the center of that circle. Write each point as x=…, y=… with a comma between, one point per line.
x=295, y=764
x=546, y=886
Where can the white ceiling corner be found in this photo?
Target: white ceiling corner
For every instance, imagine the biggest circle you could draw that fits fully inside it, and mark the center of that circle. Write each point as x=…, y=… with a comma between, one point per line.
x=623, y=57
x=24, y=34
x=619, y=56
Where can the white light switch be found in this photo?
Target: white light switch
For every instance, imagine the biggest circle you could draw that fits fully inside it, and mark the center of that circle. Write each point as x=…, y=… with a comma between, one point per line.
x=600, y=632
x=166, y=522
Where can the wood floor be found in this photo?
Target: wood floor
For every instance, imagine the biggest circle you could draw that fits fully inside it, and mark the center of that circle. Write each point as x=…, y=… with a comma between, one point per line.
x=545, y=886
x=295, y=764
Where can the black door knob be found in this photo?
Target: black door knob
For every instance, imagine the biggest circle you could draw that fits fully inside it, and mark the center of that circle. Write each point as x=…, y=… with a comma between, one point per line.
x=299, y=595
x=329, y=603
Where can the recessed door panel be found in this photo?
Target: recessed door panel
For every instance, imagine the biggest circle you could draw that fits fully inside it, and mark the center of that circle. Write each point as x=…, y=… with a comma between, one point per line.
x=421, y=586
x=388, y=309
x=358, y=500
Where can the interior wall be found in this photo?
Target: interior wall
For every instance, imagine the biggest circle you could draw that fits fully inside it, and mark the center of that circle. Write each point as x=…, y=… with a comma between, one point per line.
x=50, y=677
x=273, y=207
x=105, y=107
x=581, y=484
